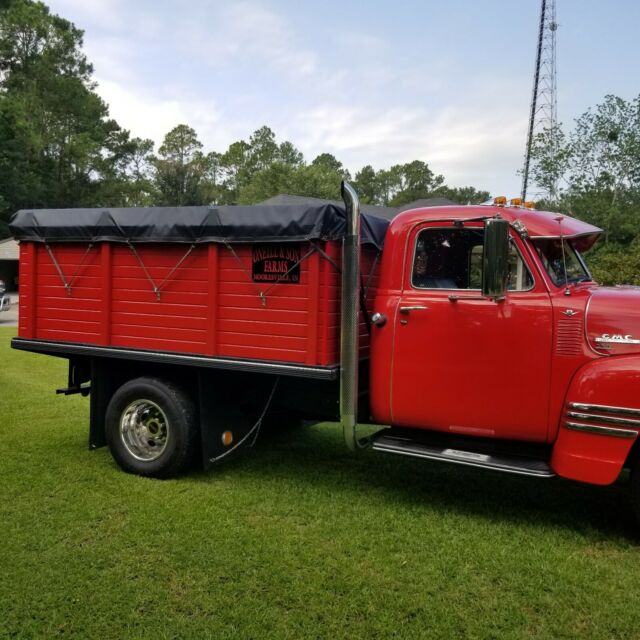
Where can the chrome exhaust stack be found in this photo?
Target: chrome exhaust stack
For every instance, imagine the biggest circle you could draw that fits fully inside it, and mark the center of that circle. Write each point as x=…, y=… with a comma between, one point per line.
x=350, y=304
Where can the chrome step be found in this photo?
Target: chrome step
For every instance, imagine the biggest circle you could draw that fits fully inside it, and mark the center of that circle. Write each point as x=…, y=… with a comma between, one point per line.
x=452, y=452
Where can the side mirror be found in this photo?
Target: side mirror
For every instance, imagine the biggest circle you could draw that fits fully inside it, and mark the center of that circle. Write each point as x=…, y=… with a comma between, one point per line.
x=495, y=258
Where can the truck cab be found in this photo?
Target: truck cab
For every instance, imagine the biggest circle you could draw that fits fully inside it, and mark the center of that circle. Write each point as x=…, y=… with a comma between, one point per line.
x=551, y=361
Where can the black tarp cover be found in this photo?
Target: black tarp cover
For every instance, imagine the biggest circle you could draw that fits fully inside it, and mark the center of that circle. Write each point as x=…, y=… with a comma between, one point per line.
x=233, y=224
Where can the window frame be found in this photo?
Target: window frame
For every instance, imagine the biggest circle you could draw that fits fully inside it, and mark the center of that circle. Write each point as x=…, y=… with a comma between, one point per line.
x=512, y=240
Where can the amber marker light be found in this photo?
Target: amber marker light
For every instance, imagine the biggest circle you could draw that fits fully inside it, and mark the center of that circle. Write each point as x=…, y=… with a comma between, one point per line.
x=500, y=201
x=530, y=204
x=515, y=202
x=227, y=438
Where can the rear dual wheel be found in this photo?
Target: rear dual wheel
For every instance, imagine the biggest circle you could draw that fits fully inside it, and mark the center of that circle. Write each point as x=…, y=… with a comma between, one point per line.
x=151, y=428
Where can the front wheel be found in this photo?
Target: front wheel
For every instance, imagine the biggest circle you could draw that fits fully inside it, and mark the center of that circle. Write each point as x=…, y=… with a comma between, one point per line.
x=151, y=428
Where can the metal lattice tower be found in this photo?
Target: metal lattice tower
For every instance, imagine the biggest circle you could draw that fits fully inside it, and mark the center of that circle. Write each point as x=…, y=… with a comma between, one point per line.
x=544, y=106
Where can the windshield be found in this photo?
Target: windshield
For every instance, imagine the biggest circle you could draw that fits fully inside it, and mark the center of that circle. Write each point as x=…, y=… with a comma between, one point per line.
x=550, y=252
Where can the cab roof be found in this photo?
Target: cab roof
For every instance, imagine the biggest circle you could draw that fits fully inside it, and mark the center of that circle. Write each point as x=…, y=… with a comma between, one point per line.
x=538, y=224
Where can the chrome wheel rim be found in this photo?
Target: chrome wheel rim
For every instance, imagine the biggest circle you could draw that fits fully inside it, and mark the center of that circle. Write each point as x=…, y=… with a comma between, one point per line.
x=144, y=430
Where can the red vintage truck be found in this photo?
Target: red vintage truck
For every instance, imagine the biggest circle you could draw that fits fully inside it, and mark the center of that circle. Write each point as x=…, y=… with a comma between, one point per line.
x=470, y=334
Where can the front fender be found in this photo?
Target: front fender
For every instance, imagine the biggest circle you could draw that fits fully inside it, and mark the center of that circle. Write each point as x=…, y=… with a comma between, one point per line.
x=600, y=421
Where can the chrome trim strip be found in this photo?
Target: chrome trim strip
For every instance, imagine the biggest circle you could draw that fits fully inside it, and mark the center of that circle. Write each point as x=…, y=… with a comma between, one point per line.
x=604, y=408
x=602, y=431
x=65, y=349
x=566, y=237
x=589, y=417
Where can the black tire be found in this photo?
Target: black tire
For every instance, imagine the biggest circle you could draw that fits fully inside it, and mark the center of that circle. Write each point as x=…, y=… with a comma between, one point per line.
x=151, y=428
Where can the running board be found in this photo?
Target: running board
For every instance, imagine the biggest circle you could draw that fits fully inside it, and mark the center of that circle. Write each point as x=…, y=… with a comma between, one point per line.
x=520, y=464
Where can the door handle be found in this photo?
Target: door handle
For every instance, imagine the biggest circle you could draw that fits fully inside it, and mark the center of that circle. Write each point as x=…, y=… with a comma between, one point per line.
x=408, y=310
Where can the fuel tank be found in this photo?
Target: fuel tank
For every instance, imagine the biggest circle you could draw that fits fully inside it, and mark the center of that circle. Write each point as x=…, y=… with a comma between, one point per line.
x=613, y=320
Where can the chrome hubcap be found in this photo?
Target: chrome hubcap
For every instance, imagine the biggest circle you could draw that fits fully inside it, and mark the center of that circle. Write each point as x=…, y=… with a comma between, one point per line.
x=144, y=430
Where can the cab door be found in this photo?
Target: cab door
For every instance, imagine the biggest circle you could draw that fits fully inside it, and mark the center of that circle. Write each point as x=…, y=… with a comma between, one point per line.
x=463, y=363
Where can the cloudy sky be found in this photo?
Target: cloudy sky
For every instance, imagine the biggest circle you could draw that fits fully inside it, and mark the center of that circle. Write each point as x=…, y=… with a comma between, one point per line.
x=374, y=82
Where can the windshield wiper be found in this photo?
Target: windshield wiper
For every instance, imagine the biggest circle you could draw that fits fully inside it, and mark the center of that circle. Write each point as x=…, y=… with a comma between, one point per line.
x=577, y=279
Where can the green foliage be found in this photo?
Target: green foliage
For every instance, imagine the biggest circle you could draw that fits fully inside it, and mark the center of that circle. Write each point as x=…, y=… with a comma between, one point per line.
x=180, y=168
x=58, y=148
x=402, y=184
x=615, y=264
x=596, y=168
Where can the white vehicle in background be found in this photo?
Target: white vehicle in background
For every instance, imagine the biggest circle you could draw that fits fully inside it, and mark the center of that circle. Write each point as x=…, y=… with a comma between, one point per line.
x=5, y=300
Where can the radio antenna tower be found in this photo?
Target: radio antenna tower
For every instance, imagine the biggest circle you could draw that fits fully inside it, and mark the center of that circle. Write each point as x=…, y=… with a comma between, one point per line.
x=544, y=106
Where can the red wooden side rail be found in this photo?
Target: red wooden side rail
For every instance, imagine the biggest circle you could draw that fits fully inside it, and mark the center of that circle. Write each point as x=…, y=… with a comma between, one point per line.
x=103, y=294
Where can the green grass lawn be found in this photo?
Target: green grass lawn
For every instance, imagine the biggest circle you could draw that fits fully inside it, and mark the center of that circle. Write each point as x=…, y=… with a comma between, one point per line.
x=296, y=539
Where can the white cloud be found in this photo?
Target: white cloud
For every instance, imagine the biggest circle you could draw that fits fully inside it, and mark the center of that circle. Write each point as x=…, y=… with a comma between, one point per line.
x=249, y=31
x=467, y=146
x=153, y=116
x=107, y=13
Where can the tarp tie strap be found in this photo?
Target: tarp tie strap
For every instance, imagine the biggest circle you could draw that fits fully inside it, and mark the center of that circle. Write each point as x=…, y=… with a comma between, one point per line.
x=284, y=275
x=157, y=288
x=326, y=256
x=67, y=285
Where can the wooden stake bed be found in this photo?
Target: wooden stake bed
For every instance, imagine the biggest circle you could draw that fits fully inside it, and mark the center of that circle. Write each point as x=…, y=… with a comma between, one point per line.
x=209, y=303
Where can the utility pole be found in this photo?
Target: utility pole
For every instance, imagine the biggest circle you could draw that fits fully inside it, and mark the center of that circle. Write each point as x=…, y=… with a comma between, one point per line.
x=544, y=106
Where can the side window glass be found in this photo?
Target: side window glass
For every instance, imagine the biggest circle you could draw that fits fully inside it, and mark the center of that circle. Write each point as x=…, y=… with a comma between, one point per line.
x=452, y=259
x=519, y=278
x=443, y=258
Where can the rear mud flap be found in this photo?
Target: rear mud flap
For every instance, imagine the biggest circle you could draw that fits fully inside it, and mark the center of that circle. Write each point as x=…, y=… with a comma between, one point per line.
x=232, y=408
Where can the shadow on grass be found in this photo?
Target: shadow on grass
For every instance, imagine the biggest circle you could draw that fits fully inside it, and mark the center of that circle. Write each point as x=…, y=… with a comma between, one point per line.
x=317, y=455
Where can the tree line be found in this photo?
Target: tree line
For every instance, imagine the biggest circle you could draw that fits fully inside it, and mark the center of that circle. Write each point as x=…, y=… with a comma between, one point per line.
x=593, y=173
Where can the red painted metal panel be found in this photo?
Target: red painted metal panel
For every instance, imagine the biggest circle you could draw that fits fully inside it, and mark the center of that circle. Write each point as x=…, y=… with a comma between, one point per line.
x=590, y=457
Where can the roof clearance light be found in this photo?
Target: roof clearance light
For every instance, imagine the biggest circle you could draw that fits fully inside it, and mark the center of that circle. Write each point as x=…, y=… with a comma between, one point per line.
x=530, y=204
x=515, y=202
x=500, y=201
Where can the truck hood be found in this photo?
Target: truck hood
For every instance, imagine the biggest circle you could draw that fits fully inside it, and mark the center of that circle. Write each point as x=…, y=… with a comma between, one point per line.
x=613, y=320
